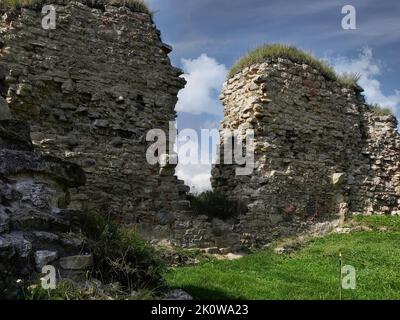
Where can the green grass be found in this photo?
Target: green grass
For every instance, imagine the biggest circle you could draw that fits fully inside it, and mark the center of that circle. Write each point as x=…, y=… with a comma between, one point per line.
x=381, y=111
x=310, y=273
x=18, y=3
x=348, y=79
x=134, y=5
x=264, y=52
x=120, y=255
x=376, y=222
x=69, y=290
x=122, y=261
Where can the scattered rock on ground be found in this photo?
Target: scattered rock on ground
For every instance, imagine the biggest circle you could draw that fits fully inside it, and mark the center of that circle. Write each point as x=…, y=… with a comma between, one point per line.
x=178, y=294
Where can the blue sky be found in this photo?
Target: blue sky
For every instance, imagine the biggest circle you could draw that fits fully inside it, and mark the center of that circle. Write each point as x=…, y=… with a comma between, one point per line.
x=208, y=36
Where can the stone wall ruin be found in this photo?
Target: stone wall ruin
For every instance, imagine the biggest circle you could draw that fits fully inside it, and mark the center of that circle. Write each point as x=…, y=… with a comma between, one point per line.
x=37, y=226
x=91, y=89
x=320, y=151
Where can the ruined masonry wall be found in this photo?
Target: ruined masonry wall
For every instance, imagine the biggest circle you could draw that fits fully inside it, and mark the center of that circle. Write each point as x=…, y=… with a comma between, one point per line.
x=320, y=152
x=37, y=225
x=91, y=89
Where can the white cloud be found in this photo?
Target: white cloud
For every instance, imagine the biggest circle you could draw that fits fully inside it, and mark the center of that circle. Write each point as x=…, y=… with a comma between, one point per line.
x=204, y=77
x=194, y=167
x=211, y=124
x=369, y=69
x=196, y=176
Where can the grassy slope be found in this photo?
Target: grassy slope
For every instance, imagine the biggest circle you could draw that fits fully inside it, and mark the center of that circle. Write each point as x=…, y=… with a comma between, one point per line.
x=311, y=273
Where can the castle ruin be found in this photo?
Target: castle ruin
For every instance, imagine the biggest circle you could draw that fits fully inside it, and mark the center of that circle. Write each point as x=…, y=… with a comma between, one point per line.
x=93, y=87
x=321, y=152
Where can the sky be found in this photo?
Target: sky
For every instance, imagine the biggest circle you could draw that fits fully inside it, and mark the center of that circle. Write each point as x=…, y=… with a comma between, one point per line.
x=208, y=36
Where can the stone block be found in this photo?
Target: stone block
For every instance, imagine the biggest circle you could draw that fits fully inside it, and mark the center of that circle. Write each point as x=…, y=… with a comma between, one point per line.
x=44, y=257
x=81, y=262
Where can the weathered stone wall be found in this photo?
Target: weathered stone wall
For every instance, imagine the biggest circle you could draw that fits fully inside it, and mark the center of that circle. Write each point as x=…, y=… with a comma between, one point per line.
x=320, y=151
x=379, y=192
x=91, y=89
x=37, y=226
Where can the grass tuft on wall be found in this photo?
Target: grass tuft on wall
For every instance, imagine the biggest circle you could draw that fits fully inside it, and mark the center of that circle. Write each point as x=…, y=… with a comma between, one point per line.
x=264, y=52
x=381, y=111
x=134, y=5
